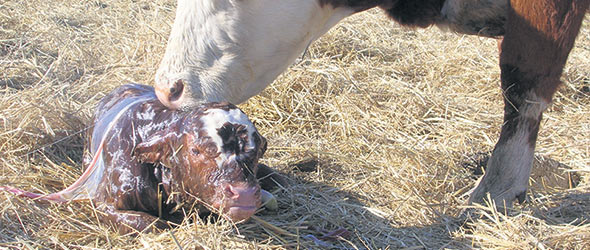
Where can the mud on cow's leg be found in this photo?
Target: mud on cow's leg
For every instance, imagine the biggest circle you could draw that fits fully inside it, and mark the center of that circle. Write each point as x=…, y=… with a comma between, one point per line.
x=539, y=37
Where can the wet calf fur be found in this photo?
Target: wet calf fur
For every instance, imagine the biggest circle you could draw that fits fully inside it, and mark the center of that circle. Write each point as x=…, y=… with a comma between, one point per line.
x=159, y=161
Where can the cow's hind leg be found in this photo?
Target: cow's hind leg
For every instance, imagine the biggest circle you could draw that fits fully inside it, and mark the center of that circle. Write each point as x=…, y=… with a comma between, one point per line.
x=476, y=17
x=539, y=37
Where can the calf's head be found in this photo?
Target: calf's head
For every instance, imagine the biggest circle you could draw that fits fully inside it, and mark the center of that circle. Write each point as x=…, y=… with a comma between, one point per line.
x=212, y=154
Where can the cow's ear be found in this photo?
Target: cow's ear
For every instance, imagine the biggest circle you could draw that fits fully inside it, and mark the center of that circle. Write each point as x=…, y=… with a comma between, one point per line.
x=156, y=147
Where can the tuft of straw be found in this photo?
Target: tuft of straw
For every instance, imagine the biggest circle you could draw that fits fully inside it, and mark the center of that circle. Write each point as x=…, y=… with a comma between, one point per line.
x=389, y=122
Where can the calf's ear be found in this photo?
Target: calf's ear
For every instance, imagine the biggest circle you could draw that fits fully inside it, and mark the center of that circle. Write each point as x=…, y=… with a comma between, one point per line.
x=157, y=147
x=262, y=148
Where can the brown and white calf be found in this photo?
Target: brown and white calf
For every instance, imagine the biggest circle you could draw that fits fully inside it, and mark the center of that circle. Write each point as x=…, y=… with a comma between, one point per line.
x=149, y=161
x=230, y=50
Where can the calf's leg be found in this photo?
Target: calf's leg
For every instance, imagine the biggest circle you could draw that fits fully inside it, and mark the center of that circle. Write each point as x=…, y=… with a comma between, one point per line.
x=130, y=221
x=539, y=36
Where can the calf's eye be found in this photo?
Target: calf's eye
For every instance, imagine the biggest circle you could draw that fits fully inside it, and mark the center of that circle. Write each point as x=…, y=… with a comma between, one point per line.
x=195, y=151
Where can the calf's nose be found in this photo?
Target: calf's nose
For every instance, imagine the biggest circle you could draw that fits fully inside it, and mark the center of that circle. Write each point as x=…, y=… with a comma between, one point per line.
x=241, y=201
x=242, y=194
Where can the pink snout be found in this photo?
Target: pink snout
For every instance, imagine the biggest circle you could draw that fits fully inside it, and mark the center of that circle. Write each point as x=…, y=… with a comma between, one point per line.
x=241, y=201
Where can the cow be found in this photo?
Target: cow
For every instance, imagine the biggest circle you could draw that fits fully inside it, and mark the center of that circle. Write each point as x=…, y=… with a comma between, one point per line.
x=230, y=50
x=147, y=163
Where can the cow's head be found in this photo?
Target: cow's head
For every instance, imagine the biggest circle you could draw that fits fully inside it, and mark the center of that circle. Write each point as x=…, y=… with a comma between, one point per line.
x=230, y=50
x=213, y=156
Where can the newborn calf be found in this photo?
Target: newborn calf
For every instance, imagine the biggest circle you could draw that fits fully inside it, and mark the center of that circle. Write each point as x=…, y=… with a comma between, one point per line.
x=149, y=161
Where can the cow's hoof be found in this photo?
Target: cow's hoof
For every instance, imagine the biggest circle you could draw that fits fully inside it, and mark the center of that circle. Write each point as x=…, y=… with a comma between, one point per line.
x=269, y=201
x=502, y=191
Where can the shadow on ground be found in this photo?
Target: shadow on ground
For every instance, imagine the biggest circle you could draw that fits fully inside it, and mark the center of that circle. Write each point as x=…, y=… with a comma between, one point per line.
x=316, y=214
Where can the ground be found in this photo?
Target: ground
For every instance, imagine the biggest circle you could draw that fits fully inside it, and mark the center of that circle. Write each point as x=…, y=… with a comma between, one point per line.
x=381, y=130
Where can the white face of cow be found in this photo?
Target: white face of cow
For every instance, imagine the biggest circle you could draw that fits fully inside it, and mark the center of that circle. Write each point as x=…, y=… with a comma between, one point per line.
x=230, y=50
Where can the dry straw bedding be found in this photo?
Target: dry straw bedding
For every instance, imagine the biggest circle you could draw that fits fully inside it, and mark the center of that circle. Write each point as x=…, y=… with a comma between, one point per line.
x=385, y=120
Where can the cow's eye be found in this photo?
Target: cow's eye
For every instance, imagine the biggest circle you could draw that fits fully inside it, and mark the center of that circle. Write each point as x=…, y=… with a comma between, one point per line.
x=196, y=151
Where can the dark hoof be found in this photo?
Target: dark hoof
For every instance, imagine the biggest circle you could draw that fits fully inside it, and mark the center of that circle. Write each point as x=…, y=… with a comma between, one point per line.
x=270, y=179
x=307, y=164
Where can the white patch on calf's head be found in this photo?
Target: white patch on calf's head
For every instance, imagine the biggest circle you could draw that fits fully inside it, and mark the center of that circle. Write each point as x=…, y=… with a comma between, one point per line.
x=215, y=118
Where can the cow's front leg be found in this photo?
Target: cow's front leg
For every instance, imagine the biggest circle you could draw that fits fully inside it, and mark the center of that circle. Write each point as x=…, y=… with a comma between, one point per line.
x=539, y=37
x=509, y=167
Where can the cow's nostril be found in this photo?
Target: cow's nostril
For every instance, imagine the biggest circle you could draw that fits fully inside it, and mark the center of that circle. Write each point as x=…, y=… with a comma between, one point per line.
x=176, y=90
x=170, y=96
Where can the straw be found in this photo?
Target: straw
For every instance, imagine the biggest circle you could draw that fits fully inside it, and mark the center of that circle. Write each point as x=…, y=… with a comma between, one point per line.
x=391, y=119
